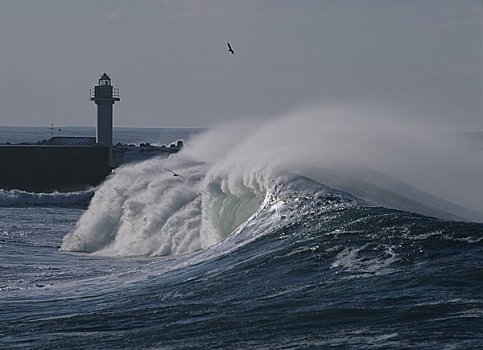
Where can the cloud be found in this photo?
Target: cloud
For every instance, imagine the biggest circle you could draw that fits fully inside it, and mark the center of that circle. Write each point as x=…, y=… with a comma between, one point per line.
x=115, y=15
x=193, y=7
x=222, y=8
x=458, y=18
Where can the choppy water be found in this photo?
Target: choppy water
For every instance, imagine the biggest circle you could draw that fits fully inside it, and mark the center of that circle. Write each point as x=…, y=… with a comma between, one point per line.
x=228, y=258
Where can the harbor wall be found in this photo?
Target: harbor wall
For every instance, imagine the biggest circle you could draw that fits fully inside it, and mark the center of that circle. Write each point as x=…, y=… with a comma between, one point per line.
x=49, y=168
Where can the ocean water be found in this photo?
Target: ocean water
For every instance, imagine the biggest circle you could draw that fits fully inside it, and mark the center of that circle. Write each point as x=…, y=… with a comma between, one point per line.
x=245, y=250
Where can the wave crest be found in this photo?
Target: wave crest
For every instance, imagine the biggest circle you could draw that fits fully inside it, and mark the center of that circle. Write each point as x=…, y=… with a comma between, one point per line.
x=144, y=210
x=18, y=198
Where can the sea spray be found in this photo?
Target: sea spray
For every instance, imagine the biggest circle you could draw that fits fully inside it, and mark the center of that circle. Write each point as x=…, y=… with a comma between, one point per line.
x=375, y=154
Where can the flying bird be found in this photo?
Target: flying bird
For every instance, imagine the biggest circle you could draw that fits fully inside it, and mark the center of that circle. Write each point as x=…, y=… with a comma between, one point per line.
x=174, y=174
x=230, y=49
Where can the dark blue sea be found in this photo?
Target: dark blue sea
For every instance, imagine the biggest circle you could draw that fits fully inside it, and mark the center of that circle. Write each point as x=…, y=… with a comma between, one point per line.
x=239, y=252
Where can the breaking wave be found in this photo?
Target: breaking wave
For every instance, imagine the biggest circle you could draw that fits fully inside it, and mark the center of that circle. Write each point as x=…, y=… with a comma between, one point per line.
x=242, y=178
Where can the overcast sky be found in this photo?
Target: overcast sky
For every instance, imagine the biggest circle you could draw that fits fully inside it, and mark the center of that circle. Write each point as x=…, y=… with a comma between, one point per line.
x=170, y=61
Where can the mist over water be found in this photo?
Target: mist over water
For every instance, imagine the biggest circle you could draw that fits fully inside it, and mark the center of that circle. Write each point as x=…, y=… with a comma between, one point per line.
x=347, y=146
x=229, y=172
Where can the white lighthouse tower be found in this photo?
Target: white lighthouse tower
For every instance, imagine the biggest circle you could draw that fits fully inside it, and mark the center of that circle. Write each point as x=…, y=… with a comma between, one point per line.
x=104, y=96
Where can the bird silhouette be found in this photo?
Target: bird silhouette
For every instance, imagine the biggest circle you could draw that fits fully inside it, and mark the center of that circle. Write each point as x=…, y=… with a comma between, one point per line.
x=230, y=49
x=174, y=174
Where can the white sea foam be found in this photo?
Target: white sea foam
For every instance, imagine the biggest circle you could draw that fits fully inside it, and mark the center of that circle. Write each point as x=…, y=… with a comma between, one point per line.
x=357, y=264
x=144, y=210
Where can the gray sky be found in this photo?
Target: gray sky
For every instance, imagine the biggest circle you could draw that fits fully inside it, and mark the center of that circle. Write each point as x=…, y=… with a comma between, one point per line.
x=170, y=61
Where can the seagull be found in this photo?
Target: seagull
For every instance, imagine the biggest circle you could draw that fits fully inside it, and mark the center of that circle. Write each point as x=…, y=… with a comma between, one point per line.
x=174, y=174
x=230, y=49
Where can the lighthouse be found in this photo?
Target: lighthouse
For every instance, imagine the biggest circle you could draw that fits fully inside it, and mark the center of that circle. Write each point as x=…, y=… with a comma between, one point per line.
x=104, y=96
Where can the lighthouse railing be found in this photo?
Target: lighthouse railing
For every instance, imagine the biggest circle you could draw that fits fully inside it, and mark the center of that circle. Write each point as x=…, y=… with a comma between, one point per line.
x=115, y=94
